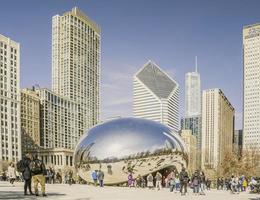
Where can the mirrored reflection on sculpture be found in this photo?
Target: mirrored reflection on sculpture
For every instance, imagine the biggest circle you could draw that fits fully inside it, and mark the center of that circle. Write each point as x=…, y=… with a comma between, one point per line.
x=125, y=145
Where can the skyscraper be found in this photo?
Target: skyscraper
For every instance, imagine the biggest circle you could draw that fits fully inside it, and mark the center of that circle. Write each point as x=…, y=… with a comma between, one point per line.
x=10, y=129
x=192, y=93
x=217, y=127
x=59, y=120
x=156, y=96
x=251, y=58
x=192, y=119
x=76, y=63
x=30, y=120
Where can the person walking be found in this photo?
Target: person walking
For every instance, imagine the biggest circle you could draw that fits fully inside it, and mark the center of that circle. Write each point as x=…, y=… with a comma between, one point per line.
x=11, y=173
x=177, y=183
x=172, y=184
x=158, y=178
x=38, y=169
x=52, y=176
x=150, y=181
x=195, y=182
x=24, y=166
x=184, y=179
x=101, y=178
x=202, y=183
x=94, y=177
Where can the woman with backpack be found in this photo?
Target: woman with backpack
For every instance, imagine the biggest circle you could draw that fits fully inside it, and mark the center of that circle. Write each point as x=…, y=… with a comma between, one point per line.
x=23, y=166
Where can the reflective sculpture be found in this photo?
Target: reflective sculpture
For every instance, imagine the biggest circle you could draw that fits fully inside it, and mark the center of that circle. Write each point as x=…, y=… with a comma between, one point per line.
x=128, y=145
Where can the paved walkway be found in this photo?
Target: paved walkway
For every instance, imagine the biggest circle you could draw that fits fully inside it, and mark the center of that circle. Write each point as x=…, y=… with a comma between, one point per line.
x=85, y=192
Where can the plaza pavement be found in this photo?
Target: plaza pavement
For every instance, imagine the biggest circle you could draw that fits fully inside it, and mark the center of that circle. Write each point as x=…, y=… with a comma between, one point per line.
x=85, y=192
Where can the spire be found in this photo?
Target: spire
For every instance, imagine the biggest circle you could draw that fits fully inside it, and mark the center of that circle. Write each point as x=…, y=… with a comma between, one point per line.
x=196, y=64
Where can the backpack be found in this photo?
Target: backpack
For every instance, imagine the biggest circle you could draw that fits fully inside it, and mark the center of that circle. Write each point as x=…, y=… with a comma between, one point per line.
x=195, y=181
x=36, y=166
x=20, y=166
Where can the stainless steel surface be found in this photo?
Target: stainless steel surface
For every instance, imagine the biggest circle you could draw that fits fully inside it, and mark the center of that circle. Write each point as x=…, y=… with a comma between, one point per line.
x=125, y=145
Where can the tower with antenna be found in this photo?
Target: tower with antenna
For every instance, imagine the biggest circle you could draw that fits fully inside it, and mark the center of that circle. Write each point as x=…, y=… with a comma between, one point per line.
x=192, y=119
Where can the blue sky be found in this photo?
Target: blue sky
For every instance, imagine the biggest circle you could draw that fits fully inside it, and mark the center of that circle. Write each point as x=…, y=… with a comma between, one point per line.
x=169, y=32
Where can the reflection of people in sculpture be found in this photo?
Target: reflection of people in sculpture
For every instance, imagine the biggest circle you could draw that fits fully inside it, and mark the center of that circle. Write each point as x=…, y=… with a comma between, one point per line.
x=109, y=170
x=158, y=179
x=130, y=180
x=150, y=181
x=94, y=177
x=101, y=178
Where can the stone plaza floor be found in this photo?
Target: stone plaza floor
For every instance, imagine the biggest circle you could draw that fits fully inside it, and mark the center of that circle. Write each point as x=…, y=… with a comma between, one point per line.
x=85, y=192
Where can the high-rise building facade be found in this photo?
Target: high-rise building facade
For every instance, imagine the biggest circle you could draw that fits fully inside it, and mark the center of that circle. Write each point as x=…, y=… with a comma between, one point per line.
x=192, y=94
x=30, y=120
x=238, y=142
x=217, y=127
x=156, y=96
x=59, y=125
x=251, y=58
x=10, y=129
x=192, y=119
x=191, y=144
x=76, y=63
x=194, y=125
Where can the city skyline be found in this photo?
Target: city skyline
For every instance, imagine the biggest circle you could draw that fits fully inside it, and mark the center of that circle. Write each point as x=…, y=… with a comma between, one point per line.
x=215, y=58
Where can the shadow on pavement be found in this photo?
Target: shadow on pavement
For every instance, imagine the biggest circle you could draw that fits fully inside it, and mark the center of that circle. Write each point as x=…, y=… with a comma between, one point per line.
x=254, y=198
x=83, y=199
x=20, y=195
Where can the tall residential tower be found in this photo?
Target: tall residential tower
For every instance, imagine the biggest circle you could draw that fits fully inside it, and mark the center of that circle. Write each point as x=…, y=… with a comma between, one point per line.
x=10, y=129
x=192, y=93
x=217, y=127
x=192, y=119
x=251, y=58
x=156, y=96
x=76, y=63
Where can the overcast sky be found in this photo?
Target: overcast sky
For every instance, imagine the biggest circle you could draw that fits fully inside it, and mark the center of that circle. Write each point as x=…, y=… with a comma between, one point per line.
x=169, y=32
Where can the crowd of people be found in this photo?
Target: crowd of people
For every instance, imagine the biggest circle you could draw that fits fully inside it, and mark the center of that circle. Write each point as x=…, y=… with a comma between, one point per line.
x=180, y=182
x=31, y=169
x=237, y=184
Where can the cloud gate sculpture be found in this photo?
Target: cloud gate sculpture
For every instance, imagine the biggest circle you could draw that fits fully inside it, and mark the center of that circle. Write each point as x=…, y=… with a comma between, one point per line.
x=125, y=145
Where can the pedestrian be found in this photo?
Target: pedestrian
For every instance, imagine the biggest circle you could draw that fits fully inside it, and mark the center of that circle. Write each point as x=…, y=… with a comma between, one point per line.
x=24, y=167
x=168, y=178
x=101, y=178
x=150, y=181
x=130, y=180
x=158, y=178
x=38, y=170
x=177, y=182
x=52, y=176
x=70, y=178
x=244, y=184
x=195, y=182
x=218, y=183
x=138, y=181
x=94, y=177
x=184, y=179
x=11, y=173
x=202, y=183
x=58, y=177
x=208, y=183
x=172, y=184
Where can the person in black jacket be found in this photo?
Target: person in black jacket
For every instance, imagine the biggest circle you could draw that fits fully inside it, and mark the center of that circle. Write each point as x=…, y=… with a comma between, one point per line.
x=184, y=179
x=26, y=172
